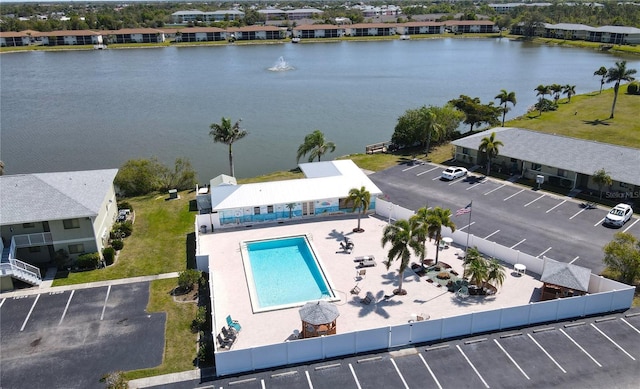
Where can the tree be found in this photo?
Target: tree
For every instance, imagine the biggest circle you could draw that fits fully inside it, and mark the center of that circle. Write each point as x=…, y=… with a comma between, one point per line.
x=475, y=112
x=413, y=126
x=420, y=227
x=475, y=267
x=555, y=89
x=569, y=90
x=495, y=272
x=618, y=74
x=602, y=179
x=403, y=240
x=187, y=279
x=315, y=145
x=182, y=177
x=433, y=129
x=506, y=97
x=602, y=72
x=227, y=134
x=361, y=199
x=542, y=91
x=139, y=176
x=622, y=256
x=437, y=219
x=490, y=146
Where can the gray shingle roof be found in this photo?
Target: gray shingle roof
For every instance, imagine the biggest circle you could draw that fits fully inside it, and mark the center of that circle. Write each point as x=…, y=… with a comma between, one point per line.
x=578, y=155
x=28, y=198
x=566, y=275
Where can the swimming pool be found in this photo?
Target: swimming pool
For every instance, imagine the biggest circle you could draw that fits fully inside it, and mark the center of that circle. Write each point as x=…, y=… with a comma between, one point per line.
x=283, y=273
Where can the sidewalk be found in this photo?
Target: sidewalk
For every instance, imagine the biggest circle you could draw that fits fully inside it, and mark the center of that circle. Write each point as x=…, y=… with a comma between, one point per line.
x=46, y=287
x=189, y=375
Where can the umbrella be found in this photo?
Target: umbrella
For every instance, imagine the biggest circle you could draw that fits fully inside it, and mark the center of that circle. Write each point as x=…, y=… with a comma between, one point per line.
x=319, y=312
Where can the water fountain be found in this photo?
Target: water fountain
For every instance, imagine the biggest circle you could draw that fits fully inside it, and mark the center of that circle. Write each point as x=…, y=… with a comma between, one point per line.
x=281, y=66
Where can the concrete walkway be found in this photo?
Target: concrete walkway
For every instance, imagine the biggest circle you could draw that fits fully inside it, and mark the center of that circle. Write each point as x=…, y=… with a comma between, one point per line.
x=46, y=287
x=182, y=376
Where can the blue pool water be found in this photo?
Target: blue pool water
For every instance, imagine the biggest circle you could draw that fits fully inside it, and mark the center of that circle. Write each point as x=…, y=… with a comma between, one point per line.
x=285, y=271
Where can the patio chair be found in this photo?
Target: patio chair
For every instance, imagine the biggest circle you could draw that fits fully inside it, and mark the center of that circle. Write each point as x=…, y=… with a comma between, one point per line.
x=233, y=324
x=355, y=290
x=223, y=343
x=361, y=274
x=367, y=299
x=229, y=335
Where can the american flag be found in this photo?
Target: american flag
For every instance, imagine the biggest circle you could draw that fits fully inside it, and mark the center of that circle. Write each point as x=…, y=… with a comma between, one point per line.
x=464, y=210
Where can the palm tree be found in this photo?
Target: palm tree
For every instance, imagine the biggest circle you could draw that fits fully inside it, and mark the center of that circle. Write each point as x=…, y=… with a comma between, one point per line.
x=556, y=89
x=495, y=272
x=227, y=134
x=490, y=146
x=542, y=91
x=403, y=240
x=433, y=128
x=475, y=267
x=602, y=72
x=602, y=179
x=569, y=90
x=437, y=219
x=361, y=199
x=420, y=227
x=617, y=74
x=506, y=97
x=315, y=145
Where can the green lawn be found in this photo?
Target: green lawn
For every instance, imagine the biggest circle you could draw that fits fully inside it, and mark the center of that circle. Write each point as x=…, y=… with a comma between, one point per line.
x=157, y=245
x=587, y=117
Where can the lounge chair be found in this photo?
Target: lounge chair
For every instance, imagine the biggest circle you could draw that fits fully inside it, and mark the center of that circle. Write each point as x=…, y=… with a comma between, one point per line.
x=223, y=342
x=233, y=324
x=229, y=335
x=364, y=258
x=367, y=263
x=367, y=299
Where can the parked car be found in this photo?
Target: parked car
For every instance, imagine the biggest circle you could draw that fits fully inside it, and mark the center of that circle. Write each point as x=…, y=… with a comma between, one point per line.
x=619, y=215
x=451, y=173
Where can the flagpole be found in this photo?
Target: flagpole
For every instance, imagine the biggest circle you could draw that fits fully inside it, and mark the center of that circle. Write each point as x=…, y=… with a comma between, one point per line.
x=466, y=248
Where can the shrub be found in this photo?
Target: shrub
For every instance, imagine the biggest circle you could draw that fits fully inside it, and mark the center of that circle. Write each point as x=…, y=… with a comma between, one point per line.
x=200, y=320
x=117, y=244
x=634, y=88
x=547, y=105
x=115, y=380
x=121, y=230
x=188, y=278
x=108, y=253
x=88, y=261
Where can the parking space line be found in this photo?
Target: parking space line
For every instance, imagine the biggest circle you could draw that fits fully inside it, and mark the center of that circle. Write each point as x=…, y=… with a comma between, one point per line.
x=26, y=319
x=105, y=302
x=563, y=201
x=410, y=167
x=495, y=189
x=2, y=302
x=580, y=347
x=400, y=374
x=577, y=213
x=630, y=325
x=511, y=359
x=598, y=223
x=574, y=259
x=436, y=178
x=455, y=181
x=521, y=190
x=353, y=372
x=473, y=367
x=491, y=234
x=612, y=341
x=430, y=371
x=631, y=225
x=306, y=372
x=518, y=243
x=545, y=351
x=533, y=201
x=426, y=171
x=66, y=307
x=468, y=225
x=543, y=253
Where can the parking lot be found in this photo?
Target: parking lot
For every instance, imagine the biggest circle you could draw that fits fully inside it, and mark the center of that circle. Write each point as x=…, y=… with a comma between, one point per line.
x=70, y=339
x=587, y=353
x=535, y=222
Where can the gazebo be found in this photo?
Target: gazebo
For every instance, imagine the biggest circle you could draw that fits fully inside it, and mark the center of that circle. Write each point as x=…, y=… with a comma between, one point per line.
x=563, y=280
x=318, y=318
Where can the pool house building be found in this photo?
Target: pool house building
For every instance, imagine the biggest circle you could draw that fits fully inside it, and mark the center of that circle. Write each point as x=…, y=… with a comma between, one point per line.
x=324, y=191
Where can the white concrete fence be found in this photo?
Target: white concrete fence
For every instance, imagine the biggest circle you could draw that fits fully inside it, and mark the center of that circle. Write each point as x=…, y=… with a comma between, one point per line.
x=604, y=296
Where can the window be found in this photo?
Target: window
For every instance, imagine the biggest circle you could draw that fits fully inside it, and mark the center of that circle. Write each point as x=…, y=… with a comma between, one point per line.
x=256, y=210
x=465, y=151
x=76, y=248
x=536, y=166
x=71, y=223
x=562, y=173
x=269, y=208
x=28, y=225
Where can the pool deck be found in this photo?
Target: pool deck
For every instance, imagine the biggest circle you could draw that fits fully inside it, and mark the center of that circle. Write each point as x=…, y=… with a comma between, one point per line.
x=231, y=293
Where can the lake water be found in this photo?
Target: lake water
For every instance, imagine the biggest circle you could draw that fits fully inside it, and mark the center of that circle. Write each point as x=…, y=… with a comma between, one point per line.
x=96, y=109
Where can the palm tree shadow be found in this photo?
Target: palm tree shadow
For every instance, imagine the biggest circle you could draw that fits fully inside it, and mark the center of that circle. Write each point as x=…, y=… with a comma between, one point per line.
x=596, y=122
